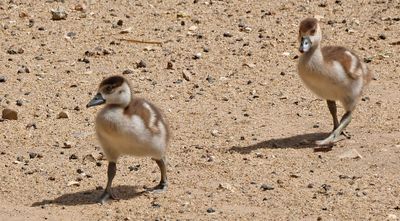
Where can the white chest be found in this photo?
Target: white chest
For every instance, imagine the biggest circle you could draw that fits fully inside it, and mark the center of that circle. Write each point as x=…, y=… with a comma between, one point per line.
x=325, y=80
x=121, y=134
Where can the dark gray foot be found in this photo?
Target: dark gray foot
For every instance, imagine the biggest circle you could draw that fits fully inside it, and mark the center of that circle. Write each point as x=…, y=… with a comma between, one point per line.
x=161, y=187
x=335, y=135
x=346, y=135
x=107, y=195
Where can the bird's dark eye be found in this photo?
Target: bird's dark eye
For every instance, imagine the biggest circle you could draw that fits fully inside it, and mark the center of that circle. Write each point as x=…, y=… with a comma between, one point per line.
x=108, y=89
x=312, y=32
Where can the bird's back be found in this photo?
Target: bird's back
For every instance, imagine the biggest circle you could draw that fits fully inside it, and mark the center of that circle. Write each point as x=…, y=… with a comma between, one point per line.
x=350, y=62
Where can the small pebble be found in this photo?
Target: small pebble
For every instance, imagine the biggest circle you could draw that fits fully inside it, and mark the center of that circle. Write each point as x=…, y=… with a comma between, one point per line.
x=58, y=14
x=84, y=60
x=127, y=71
x=170, y=65
x=73, y=183
x=210, y=210
x=71, y=34
x=88, y=158
x=23, y=15
x=210, y=79
x=3, y=79
x=197, y=56
x=15, y=51
x=31, y=23
x=382, y=36
x=265, y=187
x=193, y=28
x=73, y=157
x=19, y=102
x=326, y=187
x=31, y=125
x=62, y=115
x=23, y=70
x=80, y=7
x=155, y=205
x=186, y=75
x=141, y=64
x=227, y=35
x=134, y=167
x=247, y=29
x=226, y=186
x=67, y=145
x=365, y=99
x=32, y=155
x=215, y=133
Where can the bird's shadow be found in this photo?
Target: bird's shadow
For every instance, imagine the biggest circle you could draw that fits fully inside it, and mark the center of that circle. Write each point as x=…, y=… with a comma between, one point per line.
x=297, y=142
x=123, y=192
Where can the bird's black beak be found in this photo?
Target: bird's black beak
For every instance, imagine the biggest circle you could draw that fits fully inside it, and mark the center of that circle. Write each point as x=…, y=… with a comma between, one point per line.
x=97, y=100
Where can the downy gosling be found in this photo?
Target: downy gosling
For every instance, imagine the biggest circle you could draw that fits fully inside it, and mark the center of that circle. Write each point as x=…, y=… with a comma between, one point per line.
x=333, y=73
x=128, y=125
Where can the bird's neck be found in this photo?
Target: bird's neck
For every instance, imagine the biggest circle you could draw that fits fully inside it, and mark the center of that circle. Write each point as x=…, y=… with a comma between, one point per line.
x=314, y=55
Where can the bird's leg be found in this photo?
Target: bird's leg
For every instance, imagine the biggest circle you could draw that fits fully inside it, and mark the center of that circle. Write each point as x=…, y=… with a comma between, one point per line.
x=162, y=186
x=334, y=136
x=107, y=194
x=333, y=110
x=346, y=119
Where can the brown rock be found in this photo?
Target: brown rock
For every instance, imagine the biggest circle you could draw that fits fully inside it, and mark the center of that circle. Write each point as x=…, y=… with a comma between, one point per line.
x=63, y=114
x=10, y=114
x=80, y=7
x=186, y=75
x=67, y=145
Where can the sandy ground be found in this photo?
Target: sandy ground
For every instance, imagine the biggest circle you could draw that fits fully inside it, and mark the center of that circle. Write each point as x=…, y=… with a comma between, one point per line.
x=241, y=118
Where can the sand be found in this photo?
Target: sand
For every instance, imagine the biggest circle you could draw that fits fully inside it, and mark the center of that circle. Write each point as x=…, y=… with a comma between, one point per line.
x=243, y=124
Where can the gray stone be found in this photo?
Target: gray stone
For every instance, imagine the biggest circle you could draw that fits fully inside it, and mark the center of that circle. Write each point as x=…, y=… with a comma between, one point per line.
x=350, y=154
x=265, y=187
x=58, y=14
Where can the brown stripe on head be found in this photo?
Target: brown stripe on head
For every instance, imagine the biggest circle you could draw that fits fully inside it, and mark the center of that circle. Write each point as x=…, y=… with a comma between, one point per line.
x=308, y=24
x=114, y=81
x=109, y=84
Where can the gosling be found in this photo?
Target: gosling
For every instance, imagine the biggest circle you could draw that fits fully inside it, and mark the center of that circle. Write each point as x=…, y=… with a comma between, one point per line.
x=333, y=73
x=128, y=125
